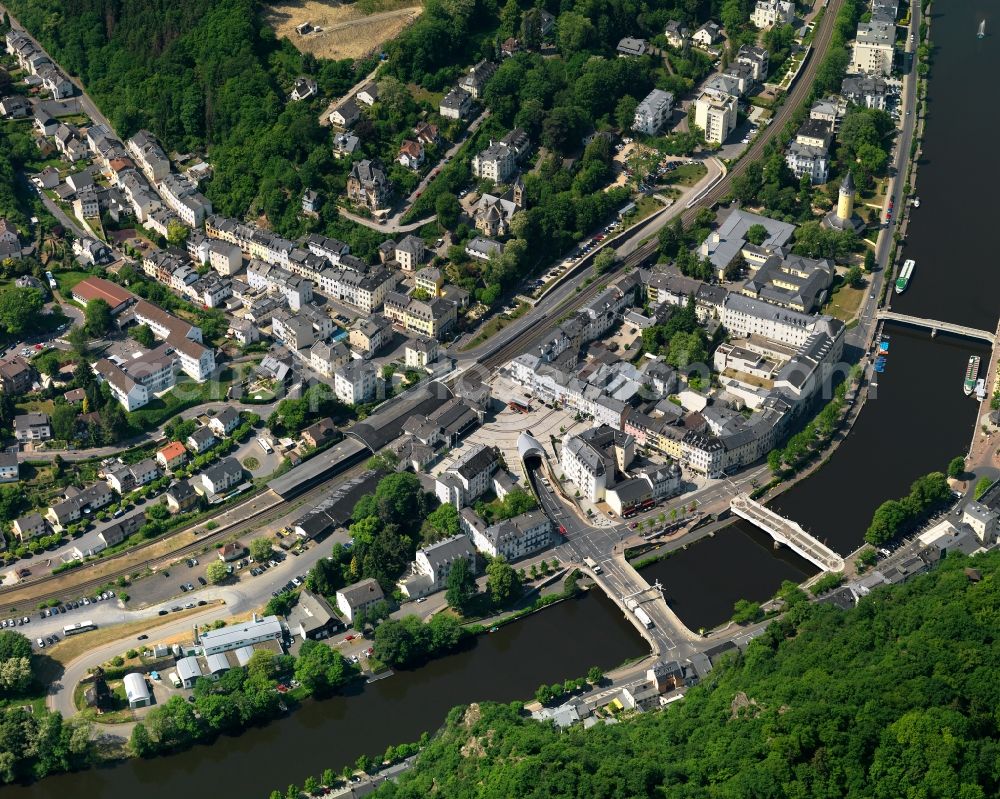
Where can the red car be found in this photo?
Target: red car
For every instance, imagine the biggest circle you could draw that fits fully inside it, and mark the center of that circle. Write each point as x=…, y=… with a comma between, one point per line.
x=349, y=637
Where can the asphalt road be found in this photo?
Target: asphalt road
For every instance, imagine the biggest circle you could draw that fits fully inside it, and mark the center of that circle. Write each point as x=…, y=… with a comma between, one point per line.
x=861, y=335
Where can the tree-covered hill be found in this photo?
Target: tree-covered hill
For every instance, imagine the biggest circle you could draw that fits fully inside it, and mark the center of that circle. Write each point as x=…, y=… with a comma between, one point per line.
x=897, y=698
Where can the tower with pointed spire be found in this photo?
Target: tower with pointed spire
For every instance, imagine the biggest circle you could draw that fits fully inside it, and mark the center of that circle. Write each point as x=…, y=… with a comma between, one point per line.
x=843, y=217
x=845, y=200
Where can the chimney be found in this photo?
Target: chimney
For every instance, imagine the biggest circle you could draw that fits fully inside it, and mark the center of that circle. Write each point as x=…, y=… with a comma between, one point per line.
x=197, y=637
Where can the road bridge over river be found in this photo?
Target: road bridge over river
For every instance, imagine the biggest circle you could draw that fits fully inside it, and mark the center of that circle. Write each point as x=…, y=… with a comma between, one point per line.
x=787, y=532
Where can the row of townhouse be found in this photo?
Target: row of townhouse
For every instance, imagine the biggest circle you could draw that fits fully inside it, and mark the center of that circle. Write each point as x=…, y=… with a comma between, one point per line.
x=325, y=265
x=358, y=284
x=811, y=348
x=296, y=290
x=37, y=64
x=225, y=258
x=301, y=330
x=149, y=156
x=177, y=273
x=183, y=198
x=124, y=478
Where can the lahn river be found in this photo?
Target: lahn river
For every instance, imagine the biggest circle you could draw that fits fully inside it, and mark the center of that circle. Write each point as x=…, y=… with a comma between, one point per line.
x=919, y=421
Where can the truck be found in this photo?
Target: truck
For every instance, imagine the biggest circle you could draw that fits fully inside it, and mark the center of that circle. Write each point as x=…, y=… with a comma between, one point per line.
x=643, y=617
x=592, y=565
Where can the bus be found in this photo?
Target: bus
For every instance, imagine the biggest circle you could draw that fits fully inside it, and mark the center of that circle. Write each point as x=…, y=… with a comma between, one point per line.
x=520, y=407
x=79, y=627
x=265, y=445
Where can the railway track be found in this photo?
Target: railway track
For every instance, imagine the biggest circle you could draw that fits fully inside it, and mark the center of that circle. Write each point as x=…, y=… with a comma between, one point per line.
x=647, y=251
x=58, y=587
x=36, y=591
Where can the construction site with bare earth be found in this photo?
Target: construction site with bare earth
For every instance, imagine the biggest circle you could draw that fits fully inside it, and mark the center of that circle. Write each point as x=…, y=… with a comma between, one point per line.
x=336, y=30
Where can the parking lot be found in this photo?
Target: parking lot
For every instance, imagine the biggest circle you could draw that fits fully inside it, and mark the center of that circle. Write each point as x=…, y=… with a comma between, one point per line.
x=75, y=612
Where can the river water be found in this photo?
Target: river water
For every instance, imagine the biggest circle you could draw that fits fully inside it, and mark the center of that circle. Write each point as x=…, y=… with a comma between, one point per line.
x=957, y=278
x=560, y=642
x=919, y=421
x=702, y=583
x=921, y=418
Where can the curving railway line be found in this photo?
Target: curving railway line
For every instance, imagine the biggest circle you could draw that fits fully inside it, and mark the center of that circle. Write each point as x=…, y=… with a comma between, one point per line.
x=59, y=586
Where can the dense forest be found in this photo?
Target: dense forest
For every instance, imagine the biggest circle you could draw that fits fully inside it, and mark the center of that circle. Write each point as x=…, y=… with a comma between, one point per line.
x=896, y=698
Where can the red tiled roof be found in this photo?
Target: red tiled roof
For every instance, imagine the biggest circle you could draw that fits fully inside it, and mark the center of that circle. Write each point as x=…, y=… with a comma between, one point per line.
x=96, y=288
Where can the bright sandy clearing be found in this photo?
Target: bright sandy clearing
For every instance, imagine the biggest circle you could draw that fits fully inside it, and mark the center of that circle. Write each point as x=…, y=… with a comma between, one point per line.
x=347, y=31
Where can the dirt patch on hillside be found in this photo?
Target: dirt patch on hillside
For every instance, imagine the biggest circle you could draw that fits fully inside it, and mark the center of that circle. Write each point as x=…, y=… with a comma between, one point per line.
x=341, y=31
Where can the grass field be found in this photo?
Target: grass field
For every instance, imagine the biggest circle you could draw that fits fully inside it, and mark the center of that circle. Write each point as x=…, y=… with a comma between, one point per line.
x=347, y=31
x=687, y=175
x=67, y=280
x=845, y=301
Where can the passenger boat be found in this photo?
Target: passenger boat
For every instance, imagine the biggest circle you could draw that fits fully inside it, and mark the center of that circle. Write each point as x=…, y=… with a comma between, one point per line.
x=971, y=374
x=982, y=30
x=904, y=275
x=980, y=389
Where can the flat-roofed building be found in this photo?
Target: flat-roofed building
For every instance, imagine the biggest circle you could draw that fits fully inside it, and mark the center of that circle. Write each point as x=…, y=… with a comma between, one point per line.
x=257, y=630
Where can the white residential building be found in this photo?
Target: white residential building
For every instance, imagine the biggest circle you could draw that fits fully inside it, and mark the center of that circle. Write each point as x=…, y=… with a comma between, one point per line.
x=653, y=112
x=874, y=48
x=757, y=58
x=359, y=598
x=772, y=12
x=183, y=198
x=355, y=382
x=432, y=565
x=467, y=478
x=715, y=114
x=807, y=159
x=224, y=257
x=513, y=539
